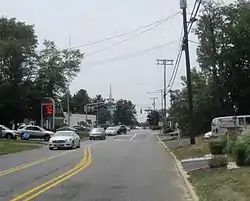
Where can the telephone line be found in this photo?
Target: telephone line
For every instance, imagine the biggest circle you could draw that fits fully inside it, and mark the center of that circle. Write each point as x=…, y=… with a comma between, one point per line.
x=132, y=37
x=178, y=59
x=123, y=34
x=123, y=57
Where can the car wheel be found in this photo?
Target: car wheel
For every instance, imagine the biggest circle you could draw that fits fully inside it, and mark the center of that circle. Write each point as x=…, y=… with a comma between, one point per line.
x=46, y=138
x=9, y=136
x=50, y=148
x=73, y=145
x=90, y=138
x=79, y=144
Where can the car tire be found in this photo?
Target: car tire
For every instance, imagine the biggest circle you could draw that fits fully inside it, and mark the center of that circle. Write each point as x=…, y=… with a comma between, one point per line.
x=9, y=136
x=50, y=148
x=79, y=144
x=46, y=138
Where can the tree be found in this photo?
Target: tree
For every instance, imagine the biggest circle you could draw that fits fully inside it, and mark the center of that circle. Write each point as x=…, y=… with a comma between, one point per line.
x=153, y=118
x=57, y=68
x=79, y=100
x=17, y=55
x=224, y=76
x=103, y=116
x=125, y=112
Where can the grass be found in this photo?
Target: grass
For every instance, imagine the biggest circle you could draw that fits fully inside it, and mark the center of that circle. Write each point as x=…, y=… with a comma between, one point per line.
x=222, y=184
x=11, y=146
x=83, y=135
x=189, y=151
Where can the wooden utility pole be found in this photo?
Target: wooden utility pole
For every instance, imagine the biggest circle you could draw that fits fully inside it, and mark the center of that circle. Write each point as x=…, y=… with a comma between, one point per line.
x=165, y=63
x=183, y=6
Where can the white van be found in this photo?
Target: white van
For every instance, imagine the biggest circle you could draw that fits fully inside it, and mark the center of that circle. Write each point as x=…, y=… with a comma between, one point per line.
x=222, y=124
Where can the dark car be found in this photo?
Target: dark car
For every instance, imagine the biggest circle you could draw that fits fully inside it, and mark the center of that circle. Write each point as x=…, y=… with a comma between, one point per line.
x=122, y=129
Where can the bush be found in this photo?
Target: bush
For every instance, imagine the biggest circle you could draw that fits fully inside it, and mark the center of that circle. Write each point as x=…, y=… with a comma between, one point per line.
x=217, y=161
x=241, y=149
x=216, y=147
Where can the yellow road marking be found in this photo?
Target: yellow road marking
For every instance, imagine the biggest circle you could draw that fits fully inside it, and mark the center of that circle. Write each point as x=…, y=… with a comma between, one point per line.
x=85, y=162
x=29, y=164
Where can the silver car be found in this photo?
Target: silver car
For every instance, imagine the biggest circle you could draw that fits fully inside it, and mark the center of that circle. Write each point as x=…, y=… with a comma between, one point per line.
x=65, y=139
x=97, y=133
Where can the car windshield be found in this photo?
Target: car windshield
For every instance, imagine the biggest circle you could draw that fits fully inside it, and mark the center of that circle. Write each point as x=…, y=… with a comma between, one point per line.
x=4, y=127
x=95, y=130
x=57, y=134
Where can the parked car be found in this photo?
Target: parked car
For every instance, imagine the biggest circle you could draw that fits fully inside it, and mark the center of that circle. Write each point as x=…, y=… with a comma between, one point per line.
x=111, y=131
x=36, y=132
x=128, y=128
x=208, y=135
x=8, y=133
x=96, y=133
x=80, y=128
x=122, y=129
x=65, y=139
x=66, y=128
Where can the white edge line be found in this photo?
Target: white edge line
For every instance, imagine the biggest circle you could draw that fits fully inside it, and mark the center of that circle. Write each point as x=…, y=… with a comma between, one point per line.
x=181, y=171
x=133, y=136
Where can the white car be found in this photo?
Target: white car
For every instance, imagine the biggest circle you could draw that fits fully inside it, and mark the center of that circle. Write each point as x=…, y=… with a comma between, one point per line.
x=35, y=132
x=111, y=131
x=65, y=139
x=208, y=135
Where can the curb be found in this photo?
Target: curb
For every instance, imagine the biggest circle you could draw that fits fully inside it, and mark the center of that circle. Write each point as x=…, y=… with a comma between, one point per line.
x=182, y=172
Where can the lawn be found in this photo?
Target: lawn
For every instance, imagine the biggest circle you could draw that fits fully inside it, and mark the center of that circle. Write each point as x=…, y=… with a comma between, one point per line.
x=83, y=135
x=189, y=151
x=222, y=185
x=11, y=146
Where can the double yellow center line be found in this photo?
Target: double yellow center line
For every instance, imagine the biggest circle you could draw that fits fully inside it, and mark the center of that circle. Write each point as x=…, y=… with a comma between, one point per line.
x=26, y=165
x=34, y=192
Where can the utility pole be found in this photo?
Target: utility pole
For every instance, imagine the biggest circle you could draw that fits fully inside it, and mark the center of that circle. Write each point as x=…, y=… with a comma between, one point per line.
x=183, y=6
x=154, y=98
x=165, y=63
x=171, y=96
x=68, y=94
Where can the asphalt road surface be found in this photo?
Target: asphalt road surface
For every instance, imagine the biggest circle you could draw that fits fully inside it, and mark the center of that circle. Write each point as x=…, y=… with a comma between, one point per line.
x=132, y=167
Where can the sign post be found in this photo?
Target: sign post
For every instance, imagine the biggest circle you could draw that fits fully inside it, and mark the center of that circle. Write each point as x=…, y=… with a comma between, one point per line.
x=48, y=113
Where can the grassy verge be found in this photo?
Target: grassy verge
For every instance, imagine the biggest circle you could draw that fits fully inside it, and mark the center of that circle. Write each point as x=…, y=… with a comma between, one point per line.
x=9, y=146
x=83, y=135
x=189, y=151
x=222, y=185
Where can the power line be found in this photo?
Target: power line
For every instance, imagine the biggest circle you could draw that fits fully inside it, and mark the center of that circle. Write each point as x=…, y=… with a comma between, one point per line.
x=178, y=59
x=127, y=56
x=132, y=37
x=121, y=34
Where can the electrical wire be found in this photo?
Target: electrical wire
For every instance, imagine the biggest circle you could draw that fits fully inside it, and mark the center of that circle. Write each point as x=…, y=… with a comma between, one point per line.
x=194, y=13
x=134, y=36
x=120, y=35
x=127, y=56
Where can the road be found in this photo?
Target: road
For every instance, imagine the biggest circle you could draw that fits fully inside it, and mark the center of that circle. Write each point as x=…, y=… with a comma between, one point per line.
x=132, y=167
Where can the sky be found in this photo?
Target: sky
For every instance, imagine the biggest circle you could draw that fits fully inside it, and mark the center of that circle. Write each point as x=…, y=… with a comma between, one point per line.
x=128, y=63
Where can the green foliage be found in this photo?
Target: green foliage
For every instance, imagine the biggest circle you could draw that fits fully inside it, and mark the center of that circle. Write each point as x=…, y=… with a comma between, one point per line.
x=218, y=161
x=216, y=147
x=125, y=112
x=223, y=56
x=241, y=149
x=153, y=118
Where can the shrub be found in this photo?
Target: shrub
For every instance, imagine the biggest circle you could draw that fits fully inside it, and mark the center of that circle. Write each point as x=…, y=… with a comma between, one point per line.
x=218, y=161
x=241, y=149
x=216, y=147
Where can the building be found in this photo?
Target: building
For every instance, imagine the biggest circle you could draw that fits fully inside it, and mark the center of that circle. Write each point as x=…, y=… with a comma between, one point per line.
x=76, y=119
x=111, y=105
